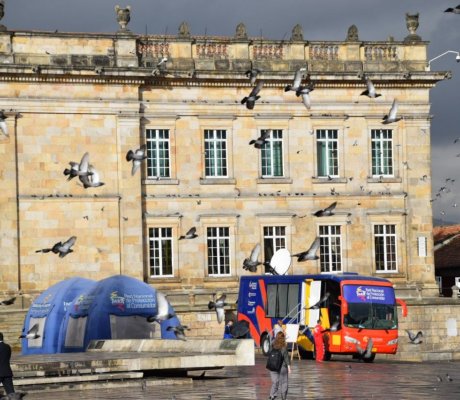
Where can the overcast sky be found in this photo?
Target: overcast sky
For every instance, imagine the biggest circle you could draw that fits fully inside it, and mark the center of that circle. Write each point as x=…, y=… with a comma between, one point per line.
x=320, y=19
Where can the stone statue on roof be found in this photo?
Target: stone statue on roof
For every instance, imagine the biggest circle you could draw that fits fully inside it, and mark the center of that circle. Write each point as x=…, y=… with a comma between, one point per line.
x=241, y=31
x=123, y=16
x=2, y=13
x=184, y=30
x=297, y=33
x=352, y=34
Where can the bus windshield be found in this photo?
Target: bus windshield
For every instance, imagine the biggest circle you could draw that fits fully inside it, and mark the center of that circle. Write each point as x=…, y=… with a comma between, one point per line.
x=370, y=307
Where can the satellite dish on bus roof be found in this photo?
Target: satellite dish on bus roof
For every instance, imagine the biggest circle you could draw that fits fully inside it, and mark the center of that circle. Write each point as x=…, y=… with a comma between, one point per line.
x=281, y=261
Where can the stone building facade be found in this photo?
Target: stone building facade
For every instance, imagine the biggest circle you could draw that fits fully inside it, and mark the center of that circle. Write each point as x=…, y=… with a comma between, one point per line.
x=65, y=94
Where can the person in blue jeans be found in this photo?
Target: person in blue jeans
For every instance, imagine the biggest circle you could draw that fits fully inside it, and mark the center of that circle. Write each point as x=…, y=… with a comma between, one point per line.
x=280, y=379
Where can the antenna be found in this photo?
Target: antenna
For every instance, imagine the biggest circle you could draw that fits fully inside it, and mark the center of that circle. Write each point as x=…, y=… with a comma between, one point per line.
x=281, y=261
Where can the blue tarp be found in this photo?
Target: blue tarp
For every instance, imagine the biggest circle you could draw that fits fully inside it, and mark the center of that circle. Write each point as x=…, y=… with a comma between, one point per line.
x=50, y=308
x=98, y=312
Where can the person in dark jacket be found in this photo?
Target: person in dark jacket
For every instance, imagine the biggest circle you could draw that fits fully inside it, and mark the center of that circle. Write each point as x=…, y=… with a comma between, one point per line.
x=6, y=374
x=280, y=379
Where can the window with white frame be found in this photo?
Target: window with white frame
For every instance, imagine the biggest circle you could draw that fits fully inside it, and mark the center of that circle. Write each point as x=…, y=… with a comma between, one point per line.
x=330, y=253
x=272, y=154
x=160, y=252
x=385, y=248
x=158, y=155
x=215, y=150
x=382, y=152
x=218, y=241
x=327, y=148
x=274, y=240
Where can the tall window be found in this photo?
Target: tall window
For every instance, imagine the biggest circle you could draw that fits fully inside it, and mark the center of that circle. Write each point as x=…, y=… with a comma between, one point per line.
x=382, y=152
x=218, y=240
x=385, y=248
x=272, y=154
x=158, y=153
x=215, y=147
x=327, y=152
x=330, y=248
x=274, y=239
x=160, y=252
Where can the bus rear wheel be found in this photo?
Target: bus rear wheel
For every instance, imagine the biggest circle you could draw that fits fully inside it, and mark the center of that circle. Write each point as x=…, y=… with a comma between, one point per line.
x=265, y=343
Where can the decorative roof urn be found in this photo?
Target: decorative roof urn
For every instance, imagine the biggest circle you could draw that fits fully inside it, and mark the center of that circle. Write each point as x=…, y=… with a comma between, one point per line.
x=2, y=13
x=412, y=25
x=123, y=16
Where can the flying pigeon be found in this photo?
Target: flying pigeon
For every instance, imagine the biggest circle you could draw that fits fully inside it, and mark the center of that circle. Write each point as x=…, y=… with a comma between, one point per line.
x=252, y=75
x=391, y=117
x=370, y=91
x=455, y=10
x=250, y=101
x=32, y=333
x=78, y=169
x=218, y=305
x=3, y=126
x=262, y=139
x=179, y=331
x=163, y=309
x=251, y=263
x=8, y=302
x=92, y=179
x=191, y=234
x=415, y=339
x=327, y=212
x=60, y=248
x=320, y=302
x=136, y=157
x=305, y=91
x=310, y=254
x=367, y=352
x=297, y=81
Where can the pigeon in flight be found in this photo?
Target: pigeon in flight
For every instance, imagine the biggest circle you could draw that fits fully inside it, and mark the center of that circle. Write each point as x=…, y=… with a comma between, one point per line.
x=179, y=331
x=78, y=169
x=310, y=254
x=191, y=234
x=252, y=75
x=305, y=91
x=8, y=302
x=327, y=212
x=32, y=333
x=320, y=302
x=60, y=248
x=92, y=179
x=370, y=91
x=251, y=263
x=297, y=80
x=218, y=305
x=415, y=338
x=367, y=352
x=250, y=101
x=262, y=139
x=391, y=117
x=136, y=157
x=455, y=10
x=3, y=126
x=162, y=310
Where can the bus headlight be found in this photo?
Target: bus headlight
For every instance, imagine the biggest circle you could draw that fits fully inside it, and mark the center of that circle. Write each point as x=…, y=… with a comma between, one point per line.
x=394, y=341
x=350, y=339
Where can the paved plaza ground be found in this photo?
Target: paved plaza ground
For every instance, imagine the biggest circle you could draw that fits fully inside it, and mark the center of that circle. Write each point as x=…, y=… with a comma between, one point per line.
x=338, y=379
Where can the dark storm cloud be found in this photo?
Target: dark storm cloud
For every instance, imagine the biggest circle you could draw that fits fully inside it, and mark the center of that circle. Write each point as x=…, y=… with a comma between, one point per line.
x=320, y=19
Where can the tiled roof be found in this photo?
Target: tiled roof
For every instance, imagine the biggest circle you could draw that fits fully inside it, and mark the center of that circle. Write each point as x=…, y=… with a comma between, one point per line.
x=441, y=233
x=448, y=256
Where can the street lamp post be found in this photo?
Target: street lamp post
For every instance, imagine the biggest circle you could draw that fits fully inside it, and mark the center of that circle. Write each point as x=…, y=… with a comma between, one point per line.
x=457, y=57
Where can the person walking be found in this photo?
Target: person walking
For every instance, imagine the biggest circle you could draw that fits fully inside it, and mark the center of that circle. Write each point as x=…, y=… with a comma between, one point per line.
x=280, y=379
x=6, y=374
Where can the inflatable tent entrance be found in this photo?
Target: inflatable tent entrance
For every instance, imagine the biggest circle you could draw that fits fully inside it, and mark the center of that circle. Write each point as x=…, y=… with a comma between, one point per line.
x=113, y=308
x=48, y=311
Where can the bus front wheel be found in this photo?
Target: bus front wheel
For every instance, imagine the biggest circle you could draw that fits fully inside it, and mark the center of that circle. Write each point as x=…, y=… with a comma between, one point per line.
x=265, y=343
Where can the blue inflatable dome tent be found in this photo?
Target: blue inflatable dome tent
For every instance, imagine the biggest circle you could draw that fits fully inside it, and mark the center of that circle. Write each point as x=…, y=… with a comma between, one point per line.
x=113, y=308
x=48, y=311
